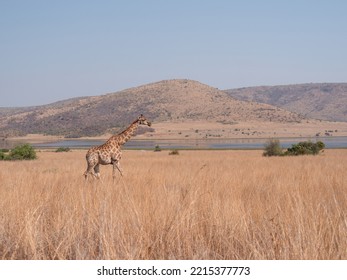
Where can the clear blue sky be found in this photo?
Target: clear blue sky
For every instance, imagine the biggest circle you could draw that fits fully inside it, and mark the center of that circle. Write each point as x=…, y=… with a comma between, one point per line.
x=54, y=50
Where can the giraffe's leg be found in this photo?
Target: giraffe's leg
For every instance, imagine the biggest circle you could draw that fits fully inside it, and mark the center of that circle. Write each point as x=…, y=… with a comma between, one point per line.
x=97, y=171
x=116, y=165
x=88, y=171
x=91, y=170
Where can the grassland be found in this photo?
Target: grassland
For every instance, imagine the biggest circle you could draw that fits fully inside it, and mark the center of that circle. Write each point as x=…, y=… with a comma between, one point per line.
x=197, y=205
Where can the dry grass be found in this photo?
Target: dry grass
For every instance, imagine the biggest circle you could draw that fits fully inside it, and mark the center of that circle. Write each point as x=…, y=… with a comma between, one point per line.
x=198, y=205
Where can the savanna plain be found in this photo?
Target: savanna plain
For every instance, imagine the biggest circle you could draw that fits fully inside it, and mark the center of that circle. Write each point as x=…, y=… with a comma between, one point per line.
x=195, y=205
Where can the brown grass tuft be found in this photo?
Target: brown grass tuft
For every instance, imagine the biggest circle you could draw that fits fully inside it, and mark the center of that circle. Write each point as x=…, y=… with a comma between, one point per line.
x=200, y=205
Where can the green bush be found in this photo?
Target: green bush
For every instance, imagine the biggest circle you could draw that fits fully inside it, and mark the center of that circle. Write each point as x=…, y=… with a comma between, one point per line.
x=305, y=148
x=62, y=149
x=25, y=151
x=157, y=148
x=2, y=155
x=273, y=148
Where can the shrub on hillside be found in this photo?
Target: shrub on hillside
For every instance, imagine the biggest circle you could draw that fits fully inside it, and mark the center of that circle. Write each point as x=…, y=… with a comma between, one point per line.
x=25, y=151
x=272, y=148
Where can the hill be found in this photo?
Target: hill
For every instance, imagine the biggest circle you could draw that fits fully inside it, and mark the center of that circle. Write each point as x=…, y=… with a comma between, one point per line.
x=170, y=100
x=325, y=101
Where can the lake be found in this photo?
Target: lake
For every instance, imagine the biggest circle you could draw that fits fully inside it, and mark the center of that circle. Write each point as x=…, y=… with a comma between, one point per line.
x=256, y=143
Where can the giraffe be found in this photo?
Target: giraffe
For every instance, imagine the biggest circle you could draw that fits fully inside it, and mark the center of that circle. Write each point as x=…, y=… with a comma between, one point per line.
x=110, y=151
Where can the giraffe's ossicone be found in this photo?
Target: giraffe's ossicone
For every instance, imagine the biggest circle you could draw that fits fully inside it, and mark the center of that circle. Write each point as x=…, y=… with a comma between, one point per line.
x=110, y=151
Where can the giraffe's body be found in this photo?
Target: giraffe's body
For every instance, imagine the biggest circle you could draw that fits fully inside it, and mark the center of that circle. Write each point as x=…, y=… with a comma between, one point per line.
x=110, y=152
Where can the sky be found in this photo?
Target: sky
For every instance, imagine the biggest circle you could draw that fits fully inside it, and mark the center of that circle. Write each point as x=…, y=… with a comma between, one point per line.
x=55, y=50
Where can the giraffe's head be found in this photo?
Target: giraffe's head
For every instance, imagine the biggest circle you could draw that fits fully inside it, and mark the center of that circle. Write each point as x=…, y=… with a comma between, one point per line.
x=142, y=120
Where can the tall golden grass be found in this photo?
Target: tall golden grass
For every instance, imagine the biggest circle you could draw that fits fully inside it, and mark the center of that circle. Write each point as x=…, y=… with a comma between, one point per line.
x=197, y=205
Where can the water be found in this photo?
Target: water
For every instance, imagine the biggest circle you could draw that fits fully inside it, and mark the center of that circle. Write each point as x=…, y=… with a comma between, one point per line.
x=330, y=142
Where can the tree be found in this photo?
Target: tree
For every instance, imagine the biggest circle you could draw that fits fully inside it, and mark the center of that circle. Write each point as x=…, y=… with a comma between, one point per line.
x=273, y=148
x=25, y=151
x=305, y=148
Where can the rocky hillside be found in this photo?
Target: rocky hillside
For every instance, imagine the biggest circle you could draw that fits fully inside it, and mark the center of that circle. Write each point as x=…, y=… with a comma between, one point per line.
x=326, y=101
x=175, y=100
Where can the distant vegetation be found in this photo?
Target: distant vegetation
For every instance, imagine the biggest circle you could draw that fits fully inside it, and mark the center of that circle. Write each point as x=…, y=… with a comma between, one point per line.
x=305, y=148
x=21, y=152
x=174, y=152
x=62, y=149
x=157, y=148
x=274, y=148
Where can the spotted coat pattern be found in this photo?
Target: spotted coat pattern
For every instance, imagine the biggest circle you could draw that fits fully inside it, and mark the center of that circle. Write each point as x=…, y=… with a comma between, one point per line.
x=110, y=153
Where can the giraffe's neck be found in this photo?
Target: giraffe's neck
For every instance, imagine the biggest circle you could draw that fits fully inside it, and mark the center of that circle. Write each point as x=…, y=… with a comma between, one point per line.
x=124, y=136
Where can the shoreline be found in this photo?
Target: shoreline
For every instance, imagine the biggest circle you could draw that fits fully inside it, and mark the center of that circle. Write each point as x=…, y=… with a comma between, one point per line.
x=331, y=142
x=200, y=134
